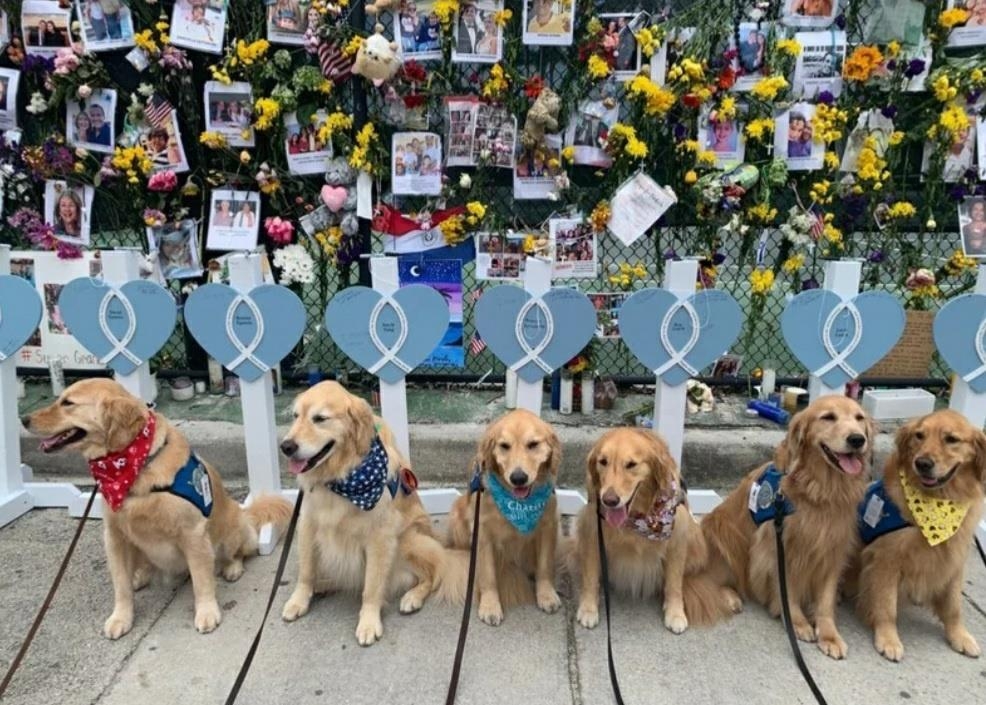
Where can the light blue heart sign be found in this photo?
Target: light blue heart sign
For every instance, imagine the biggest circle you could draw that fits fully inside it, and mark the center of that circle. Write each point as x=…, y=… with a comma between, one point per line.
x=534, y=336
x=248, y=333
x=960, y=336
x=675, y=338
x=388, y=336
x=20, y=314
x=839, y=340
x=122, y=326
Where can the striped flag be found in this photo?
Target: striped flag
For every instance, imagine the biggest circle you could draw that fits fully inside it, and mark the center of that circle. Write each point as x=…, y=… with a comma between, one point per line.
x=817, y=227
x=157, y=110
x=477, y=344
x=336, y=66
x=473, y=296
x=403, y=235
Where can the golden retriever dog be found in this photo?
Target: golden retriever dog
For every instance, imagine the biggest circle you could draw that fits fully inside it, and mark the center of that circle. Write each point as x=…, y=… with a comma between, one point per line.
x=154, y=527
x=362, y=524
x=937, y=468
x=653, y=543
x=824, y=463
x=518, y=456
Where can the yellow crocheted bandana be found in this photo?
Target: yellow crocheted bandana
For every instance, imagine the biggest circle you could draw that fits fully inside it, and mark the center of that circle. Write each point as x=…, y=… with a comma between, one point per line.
x=937, y=518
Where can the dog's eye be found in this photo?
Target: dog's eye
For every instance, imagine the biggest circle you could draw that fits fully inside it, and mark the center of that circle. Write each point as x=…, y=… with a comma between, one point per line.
x=603, y=462
x=859, y=417
x=631, y=464
x=919, y=435
x=951, y=439
x=828, y=417
x=504, y=446
x=318, y=418
x=531, y=445
x=68, y=402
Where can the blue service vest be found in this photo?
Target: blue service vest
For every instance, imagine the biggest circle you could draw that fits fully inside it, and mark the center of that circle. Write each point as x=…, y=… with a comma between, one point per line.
x=878, y=515
x=192, y=483
x=763, y=495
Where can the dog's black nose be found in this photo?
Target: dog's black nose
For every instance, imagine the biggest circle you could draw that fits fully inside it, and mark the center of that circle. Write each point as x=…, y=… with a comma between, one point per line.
x=26, y=421
x=856, y=440
x=924, y=465
x=611, y=499
x=289, y=447
x=518, y=478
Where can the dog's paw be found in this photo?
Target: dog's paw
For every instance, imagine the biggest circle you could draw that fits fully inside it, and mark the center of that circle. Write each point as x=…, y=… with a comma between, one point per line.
x=117, y=625
x=963, y=642
x=804, y=631
x=207, y=617
x=369, y=629
x=833, y=646
x=411, y=602
x=588, y=615
x=732, y=600
x=548, y=600
x=676, y=622
x=490, y=611
x=295, y=607
x=233, y=570
x=889, y=646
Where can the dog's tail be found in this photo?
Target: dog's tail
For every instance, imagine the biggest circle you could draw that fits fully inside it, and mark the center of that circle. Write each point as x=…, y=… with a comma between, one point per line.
x=513, y=585
x=726, y=546
x=706, y=601
x=269, y=509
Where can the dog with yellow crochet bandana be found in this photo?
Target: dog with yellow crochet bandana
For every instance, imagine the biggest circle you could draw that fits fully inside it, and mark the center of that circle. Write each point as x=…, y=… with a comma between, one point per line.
x=917, y=524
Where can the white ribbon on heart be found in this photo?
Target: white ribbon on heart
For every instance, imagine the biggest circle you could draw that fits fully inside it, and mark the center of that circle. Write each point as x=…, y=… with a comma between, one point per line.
x=678, y=356
x=389, y=353
x=119, y=344
x=2, y=356
x=534, y=354
x=245, y=352
x=839, y=357
x=980, y=351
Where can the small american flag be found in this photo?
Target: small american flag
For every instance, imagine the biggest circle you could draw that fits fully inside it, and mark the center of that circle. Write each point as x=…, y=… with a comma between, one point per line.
x=335, y=65
x=817, y=227
x=157, y=111
x=477, y=344
x=473, y=296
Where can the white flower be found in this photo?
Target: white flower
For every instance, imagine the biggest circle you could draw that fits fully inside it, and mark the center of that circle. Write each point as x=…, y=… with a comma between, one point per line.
x=37, y=104
x=296, y=265
x=465, y=181
x=145, y=89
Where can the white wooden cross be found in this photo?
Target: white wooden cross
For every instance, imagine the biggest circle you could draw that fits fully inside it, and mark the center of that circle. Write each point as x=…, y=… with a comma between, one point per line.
x=842, y=278
x=537, y=282
x=119, y=267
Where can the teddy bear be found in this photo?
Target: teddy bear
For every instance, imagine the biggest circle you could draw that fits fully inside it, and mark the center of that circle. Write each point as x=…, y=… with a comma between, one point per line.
x=541, y=118
x=377, y=58
x=375, y=8
x=339, y=195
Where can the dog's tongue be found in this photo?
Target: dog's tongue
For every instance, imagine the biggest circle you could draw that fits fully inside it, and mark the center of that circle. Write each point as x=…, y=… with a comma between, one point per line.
x=296, y=467
x=850, y=464
x=521, y=492
x=616, y=517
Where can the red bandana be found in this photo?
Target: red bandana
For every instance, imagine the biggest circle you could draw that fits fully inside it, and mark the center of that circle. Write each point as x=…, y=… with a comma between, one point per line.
x=117, y=472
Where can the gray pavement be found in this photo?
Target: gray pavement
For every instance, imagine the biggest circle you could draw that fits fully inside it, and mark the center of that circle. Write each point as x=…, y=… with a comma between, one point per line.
x=532, y=658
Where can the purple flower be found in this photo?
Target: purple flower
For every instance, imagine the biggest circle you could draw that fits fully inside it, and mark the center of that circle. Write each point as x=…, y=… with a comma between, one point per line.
x=680, y=131
x=810, y=283
x=38, y=64
x=972, y=97
x=718, y=258
x=670, y=254
x=889, y=112
x=915, y=67
x=876, y=257
x=892, y=65
x=826, y=97
x=840, y=21
x=956, y=193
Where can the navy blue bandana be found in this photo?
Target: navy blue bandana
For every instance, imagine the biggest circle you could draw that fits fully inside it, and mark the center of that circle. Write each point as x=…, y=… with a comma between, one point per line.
x=525, y=513
x=365, y=484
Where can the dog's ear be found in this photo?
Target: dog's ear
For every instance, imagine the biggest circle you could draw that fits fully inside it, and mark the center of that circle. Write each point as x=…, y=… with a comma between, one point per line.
x=790, y=448
x=905, y=433
x=979, y=442
x=872, y=431
x=592, y=483
x=361, y=420
x=554, y=446
x=487, y=443
x=125, y=418
x=663, y=466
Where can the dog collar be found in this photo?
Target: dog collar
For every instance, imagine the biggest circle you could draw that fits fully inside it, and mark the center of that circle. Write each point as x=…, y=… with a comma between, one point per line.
x=658, y=523
x=939, y=519
x=364, y=485
x=116, y=472
x=524, y=514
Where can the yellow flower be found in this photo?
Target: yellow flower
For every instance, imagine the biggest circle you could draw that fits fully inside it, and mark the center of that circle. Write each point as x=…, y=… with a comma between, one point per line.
x=791, y=47
x=145, y=41
x=445, y=10
x=958, y=263
x=831, y=160
x=657, y=100
x=761, y=281
x=869, y=165
x=956, y=122
x=689, y=146
x=353, y=46
x=705, y=158
x=252, y=53
x=497, y=84
x=476, y=211
x=861, y=63
x=266, y=110
x=829, y=123
x=220, y=74
x=501, y=17
x=598, y=68
x=944, y=91
x=622, y=139
x=896, y=137
x=832, y=234
x=693, y=69
x=600, y=216
x=759, y=129
x=647, y=40
x=726, y=109
x=893, y=49
x=132, y=160
x=568, y=153
x=453, y=231
x=819, y=191
x=335, y=122
x=691, y=177
x=761, y=213
x=768, y=88
x=902, y=209
x=793, y=264
x=954, y=16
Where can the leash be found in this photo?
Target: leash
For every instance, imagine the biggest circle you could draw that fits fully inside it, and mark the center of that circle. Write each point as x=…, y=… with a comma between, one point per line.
x=785, y=607
x=460, y=648
x=979, y=547
x=15, y=664
x=241, y=676
x=604, y=569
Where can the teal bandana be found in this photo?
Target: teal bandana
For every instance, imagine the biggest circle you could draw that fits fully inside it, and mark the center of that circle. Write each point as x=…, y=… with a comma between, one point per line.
x=525, y=513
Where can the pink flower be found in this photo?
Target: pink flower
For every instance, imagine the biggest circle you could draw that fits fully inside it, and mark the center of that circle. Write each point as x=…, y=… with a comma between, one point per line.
x=153, y=218
x=84, y=91
x=66, y=61
x=278, y=230
x=163, y=181
x=919, y=278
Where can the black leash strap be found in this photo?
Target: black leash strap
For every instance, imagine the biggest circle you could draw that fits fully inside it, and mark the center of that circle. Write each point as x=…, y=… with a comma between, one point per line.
x=979, y=547
x=785, y=607
x=604, y=569
x=15, y=664
x=460, y=648
x=278, y=574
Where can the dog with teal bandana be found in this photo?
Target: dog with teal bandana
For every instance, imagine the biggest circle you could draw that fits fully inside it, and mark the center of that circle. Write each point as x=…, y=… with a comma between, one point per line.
x=516, y=470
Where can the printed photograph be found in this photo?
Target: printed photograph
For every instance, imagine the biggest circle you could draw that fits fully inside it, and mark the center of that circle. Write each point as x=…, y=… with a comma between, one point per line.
x=105, y=24
x=534, y=178
x=478, y=39
x=892, y=20
x=4, y=29
x=494, y=136
x=307, y=154
x=819, y=65
x=669, y=53
x=56, y=324
x=548, y=22
x=750, y=54
x=416, y=167
x=809, y=13
x=500, y=255
x=461, y=121
x=445, y=277
x=972, y=225
x=89, y=123
x=794, y=138
x=981, y=149
x=45, y=26
x=417, y=25
x=870, y=123
x=199, y=25
x=727, y=365
x=588, y=131
x=25, y=268
x=973, y=32
x=230, y=111
x=958, y=158
x=607, y=307
x=575, y=253
x=177, y=248
x=67, y=210
x=619, y=36
x=287, y=21
x=724, y=138
x=161, y=137
x=9, y=79
x=234, y=220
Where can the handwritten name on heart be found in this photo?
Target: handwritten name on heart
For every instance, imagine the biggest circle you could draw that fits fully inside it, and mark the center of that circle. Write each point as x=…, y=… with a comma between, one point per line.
x=124, y=326
x=838, y=340
x=534, y=336
x=388, y=336
x=960, y=336
x=20, y=314
x=248, y=333
x=675, y=338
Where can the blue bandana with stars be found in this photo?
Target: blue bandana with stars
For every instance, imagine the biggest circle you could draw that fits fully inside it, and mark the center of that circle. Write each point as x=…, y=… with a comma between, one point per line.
x=365, y=484
x=525, y=513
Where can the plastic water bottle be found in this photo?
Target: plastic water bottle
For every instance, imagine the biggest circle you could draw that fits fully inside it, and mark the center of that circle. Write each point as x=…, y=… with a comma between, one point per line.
x=769, y=411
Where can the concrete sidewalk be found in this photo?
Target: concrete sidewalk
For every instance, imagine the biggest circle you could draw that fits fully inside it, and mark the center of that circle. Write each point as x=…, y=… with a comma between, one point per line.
x=532, y=658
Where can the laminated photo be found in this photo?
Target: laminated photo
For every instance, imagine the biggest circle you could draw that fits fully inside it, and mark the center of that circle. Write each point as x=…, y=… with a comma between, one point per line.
x=500, y=255
x=809, y=13
x=199, y=25
x=288, y=20
x=9, y=79
x=175, y=247
x=45, y=26
x=575, y=249
x=89, y=122
x=105, y=24
x=723, y=137
x=981, y=149
x=751, y=53
x=972, y=225
x=234, y=220
x=620, y=28
x=160, y=136
x=607, y=305
x=416, y=164
x=958, y=158
x=871, y=123
x=973, y=32
x=795, y=141
x=589, y=130
x=445, y=277
x=229, y=111
x=534, y=175
x=4, y=29
x=478, y=38
x=885, y=21
x=418, y=29
x=669, y=53
x=819, y=65
x=548, y=22
x=306, y=153
x=461, y=121
x=67, y=210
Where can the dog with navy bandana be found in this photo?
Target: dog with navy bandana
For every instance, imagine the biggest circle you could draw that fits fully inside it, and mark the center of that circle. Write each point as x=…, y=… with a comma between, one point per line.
x=516, y=468
x=362, y=525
